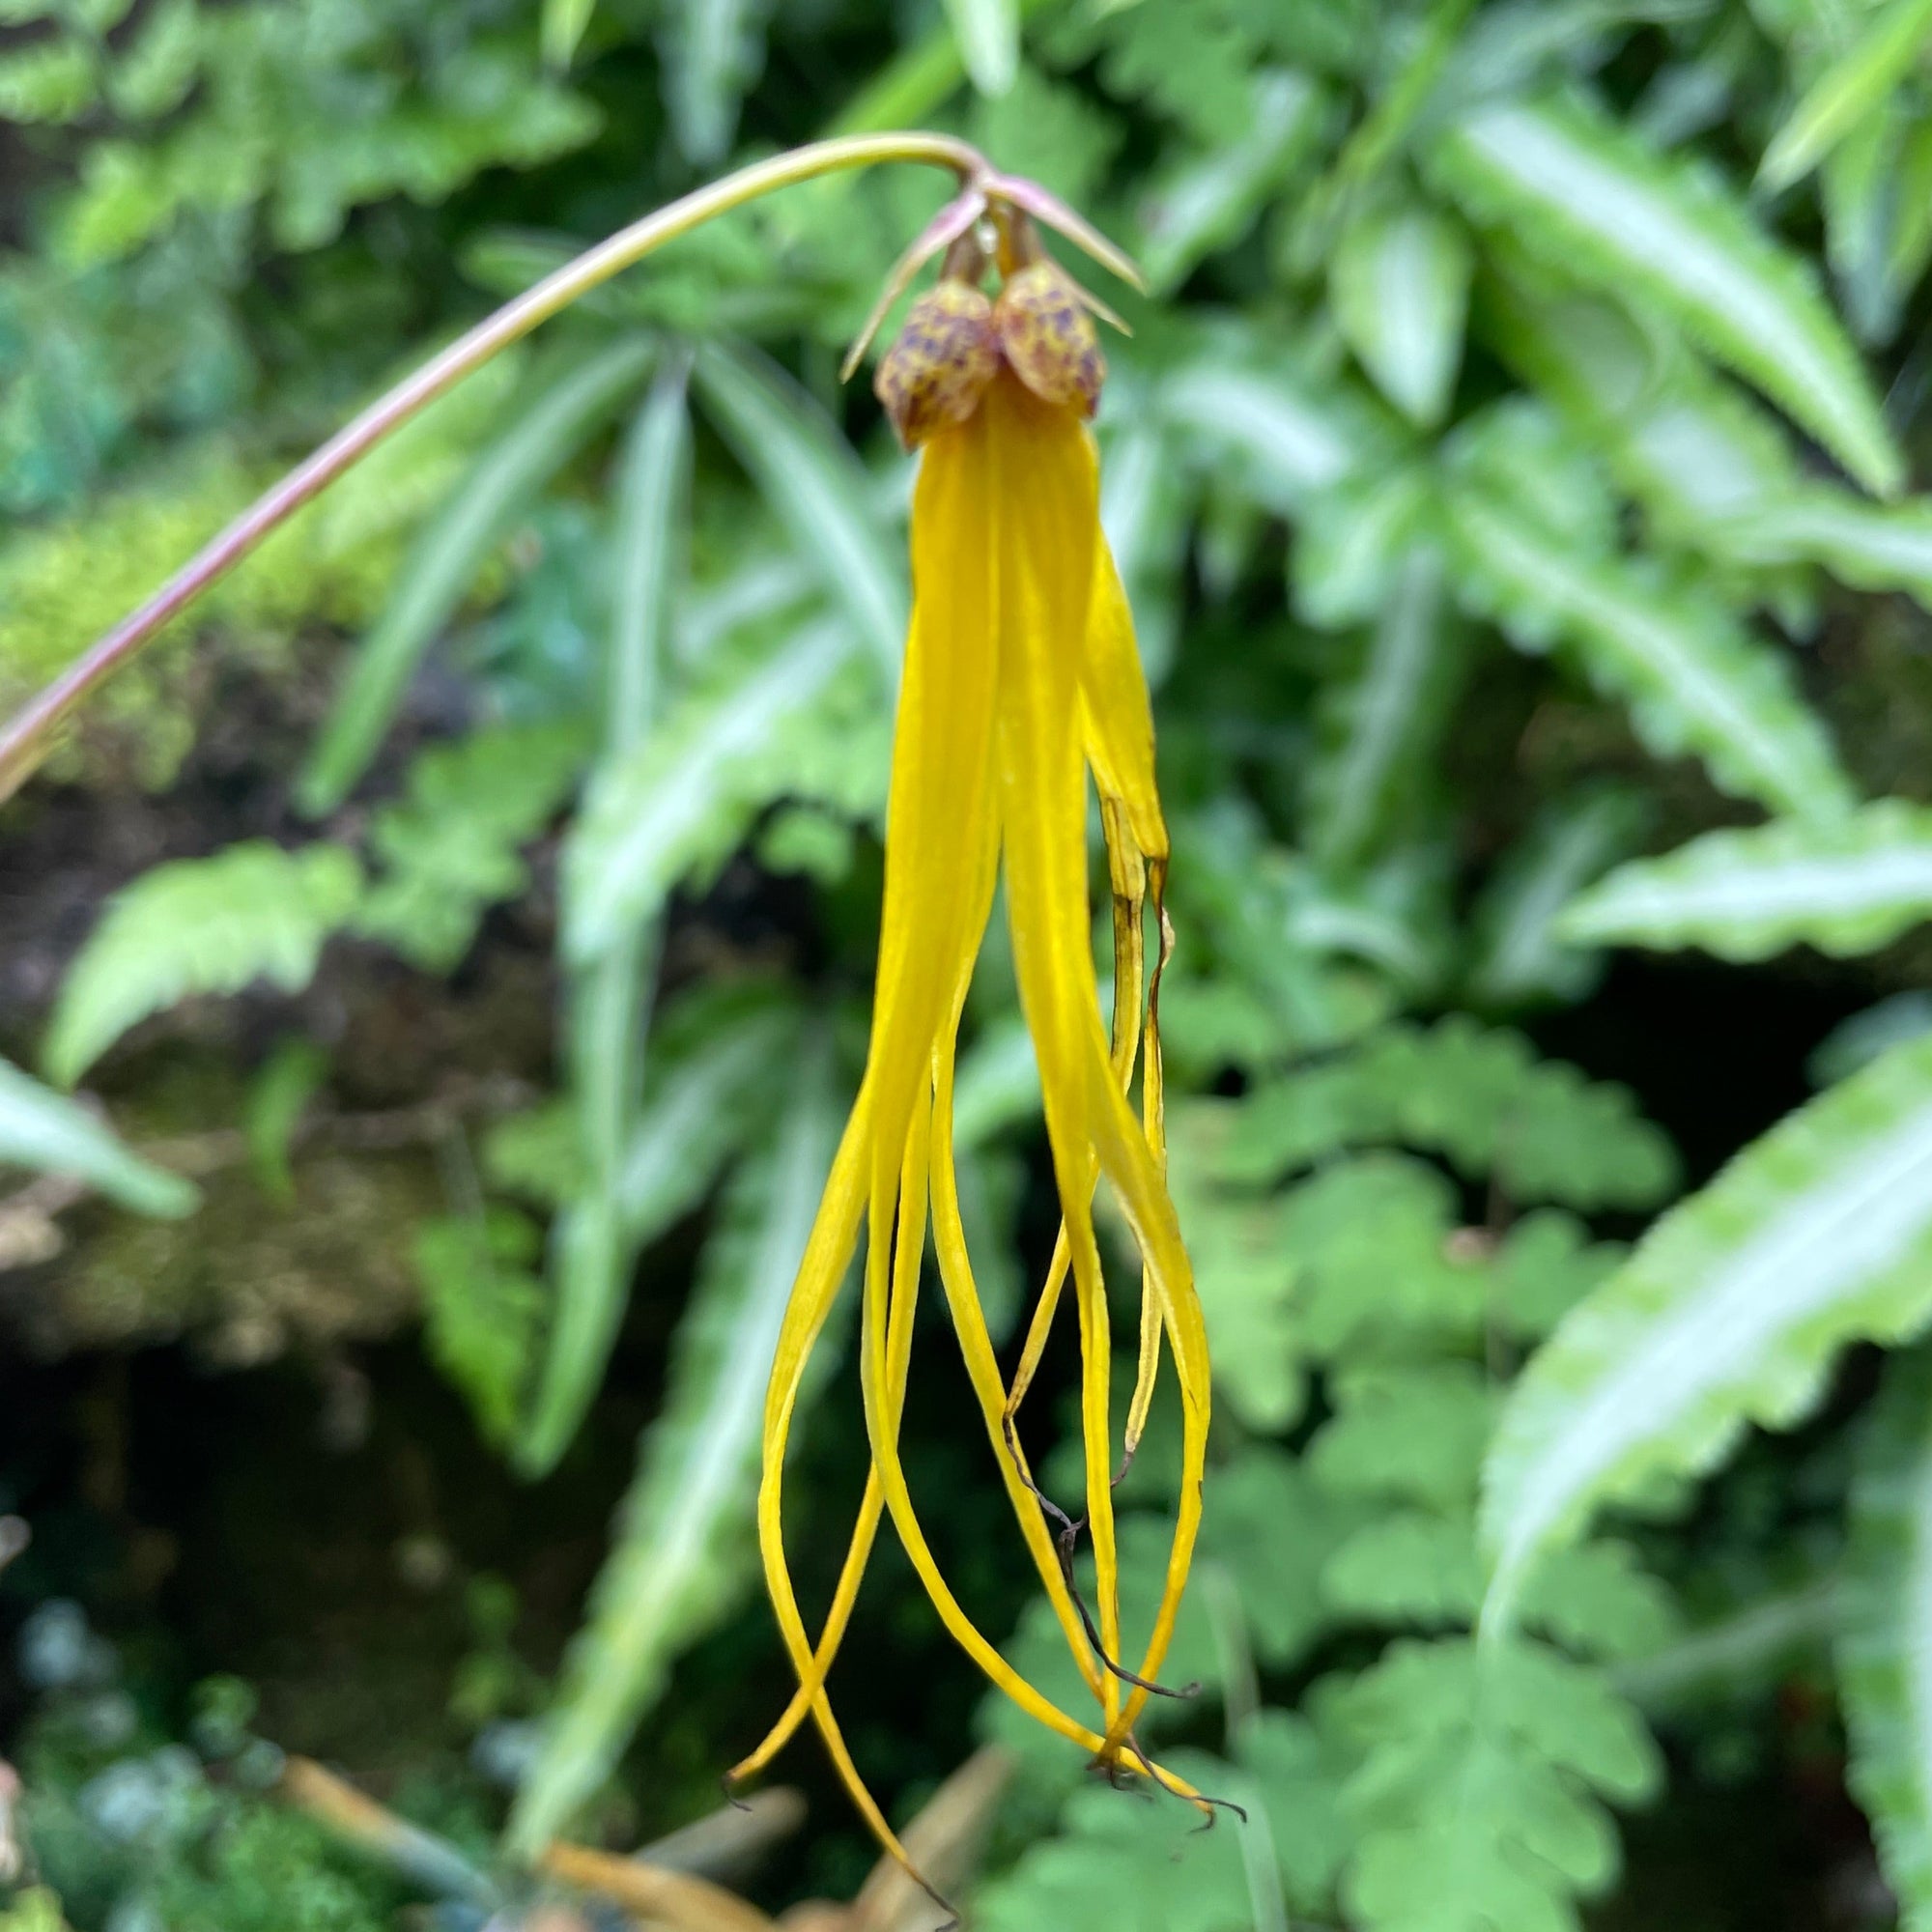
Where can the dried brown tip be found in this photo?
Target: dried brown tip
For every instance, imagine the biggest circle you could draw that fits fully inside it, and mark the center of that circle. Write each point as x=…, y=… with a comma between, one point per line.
x=935, y=373
x=1048, y=338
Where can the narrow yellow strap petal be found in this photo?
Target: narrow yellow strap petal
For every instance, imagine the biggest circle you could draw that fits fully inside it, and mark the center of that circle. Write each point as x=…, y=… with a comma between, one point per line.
x=942, y=797
x=820, y=1273
x=905, y=1519
x=1118, y=719
x=976, y=1346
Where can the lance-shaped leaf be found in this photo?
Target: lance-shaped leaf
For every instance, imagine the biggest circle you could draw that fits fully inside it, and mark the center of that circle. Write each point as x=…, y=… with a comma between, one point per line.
x=1885, y=1633
x=1521, y=953
x=591, y=1252
x=1593, y=202
x=1691, y=447
x=51, y=1134
x=1379, y=728
x=199, y=925
x=686, y=795
x=1853, y=88
x=1730, y=1312
x=1870, y=546
x=685, y=1548
x=564, y=25
x=713, y=51
x=711, y=1085
x=1692, y=678
x=817, y=488
x=988, y=33
x=1844, y=886
x=1400, y=285
x=440, y=569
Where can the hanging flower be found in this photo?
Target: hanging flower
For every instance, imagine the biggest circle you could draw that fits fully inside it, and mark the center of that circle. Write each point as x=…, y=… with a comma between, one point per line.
x=1021, y=676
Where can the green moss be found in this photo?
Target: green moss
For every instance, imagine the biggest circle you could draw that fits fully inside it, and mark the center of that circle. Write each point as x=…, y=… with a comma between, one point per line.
x=247, y=1277
x=64, y=583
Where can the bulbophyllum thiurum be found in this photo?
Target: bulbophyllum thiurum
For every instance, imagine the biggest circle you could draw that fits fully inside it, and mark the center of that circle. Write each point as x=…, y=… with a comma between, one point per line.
x=1022, y=678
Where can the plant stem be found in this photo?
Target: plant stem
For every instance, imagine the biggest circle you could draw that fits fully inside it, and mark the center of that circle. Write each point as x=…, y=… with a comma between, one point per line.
x=26, y=736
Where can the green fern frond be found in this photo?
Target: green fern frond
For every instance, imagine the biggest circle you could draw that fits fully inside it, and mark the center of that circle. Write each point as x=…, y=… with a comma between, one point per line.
x=1482, y=1774
x=1581, y=194
x=1730, y=1312
x=450, y=848
x=1847, y=886
x=200, y=925
x=1884, y=1650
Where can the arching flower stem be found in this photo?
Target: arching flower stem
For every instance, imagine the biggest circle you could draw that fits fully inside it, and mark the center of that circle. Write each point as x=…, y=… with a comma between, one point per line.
x=26, y=737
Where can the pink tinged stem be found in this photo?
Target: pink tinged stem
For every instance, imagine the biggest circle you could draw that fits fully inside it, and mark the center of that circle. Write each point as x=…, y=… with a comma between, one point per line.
x=26, y=736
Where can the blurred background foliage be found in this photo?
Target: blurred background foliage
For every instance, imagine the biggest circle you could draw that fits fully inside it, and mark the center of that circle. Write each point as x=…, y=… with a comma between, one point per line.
x=464, y=916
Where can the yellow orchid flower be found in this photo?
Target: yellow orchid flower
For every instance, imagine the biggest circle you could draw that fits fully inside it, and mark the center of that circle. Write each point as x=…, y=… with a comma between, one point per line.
x=1021, y=676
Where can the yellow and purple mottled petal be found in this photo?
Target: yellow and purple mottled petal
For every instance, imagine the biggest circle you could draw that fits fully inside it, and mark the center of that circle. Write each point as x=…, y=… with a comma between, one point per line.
x=939, y=364
x=1049, y=342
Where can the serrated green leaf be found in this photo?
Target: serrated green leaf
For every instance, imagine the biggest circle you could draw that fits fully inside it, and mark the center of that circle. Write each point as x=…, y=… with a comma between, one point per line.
x=448, y=556
x=689, y=792
x=1119, y=1859
x=1399, y=282
x=684, y=1549
x=1519, y=955
x=1370, y=1240
x=1730, y=1312
x=1693, y=680
x=1478, y=1800
x=450, y=848
x=1593, y=202
x=1854, y=87
x=1410, y=1433
x=1378, y=729
x=819, y=490
x=48, y=1133
x=1844, y=886
x=1133, y=1858
x=533, y=1152
x=1480, y=1097
x=1545, y=1266
x=481, y=1307
x=1349, y=540
x=49, y=80
x=1884, y=1648
x=199, y=925
x=1410, y=1566
x=1693, y=449
x=1245, y=1277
